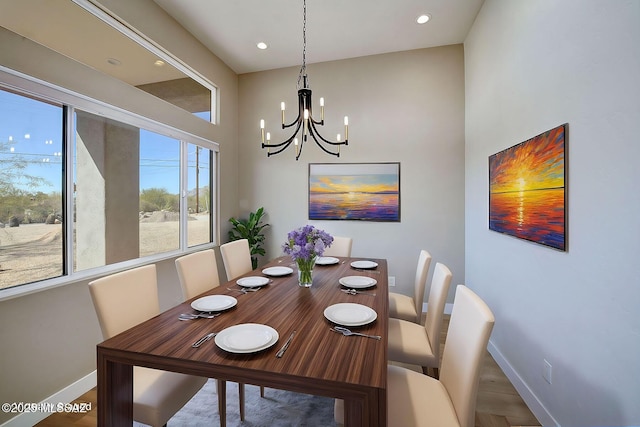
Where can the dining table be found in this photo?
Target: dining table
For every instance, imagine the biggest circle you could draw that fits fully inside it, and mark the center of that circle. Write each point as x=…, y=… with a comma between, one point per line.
x=316, y=360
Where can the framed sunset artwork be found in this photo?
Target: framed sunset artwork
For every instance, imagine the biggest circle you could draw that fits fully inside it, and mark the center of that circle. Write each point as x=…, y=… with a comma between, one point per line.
x=527, y=193
x=354, y=191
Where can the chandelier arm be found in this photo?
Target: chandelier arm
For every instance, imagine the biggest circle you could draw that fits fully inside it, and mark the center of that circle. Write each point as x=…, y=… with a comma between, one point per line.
x=321, y=122
x=300, y=149
x=272, y=153
x=313, y=126
x=286, y=142
x=313, y=135
x=298, y=120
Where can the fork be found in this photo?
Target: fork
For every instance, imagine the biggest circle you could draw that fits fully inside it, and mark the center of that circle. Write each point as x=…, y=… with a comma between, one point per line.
x=193, y=316
x=244, y=290
x=347, y=332
x=353, y=292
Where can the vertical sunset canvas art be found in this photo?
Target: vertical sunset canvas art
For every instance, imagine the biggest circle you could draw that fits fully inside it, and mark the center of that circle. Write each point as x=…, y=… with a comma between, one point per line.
x=354, y=191
x=527, y=191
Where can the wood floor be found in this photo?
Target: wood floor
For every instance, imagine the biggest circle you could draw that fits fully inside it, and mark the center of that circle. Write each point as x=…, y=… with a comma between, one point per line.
x=498, y=405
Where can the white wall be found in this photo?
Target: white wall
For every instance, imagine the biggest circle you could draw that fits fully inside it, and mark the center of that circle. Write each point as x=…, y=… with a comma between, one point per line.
x=405, y=107
x=529, y=67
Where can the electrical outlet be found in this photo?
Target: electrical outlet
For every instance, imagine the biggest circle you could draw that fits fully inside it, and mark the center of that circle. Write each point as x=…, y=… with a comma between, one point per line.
x=392, y=280
x=546, y=371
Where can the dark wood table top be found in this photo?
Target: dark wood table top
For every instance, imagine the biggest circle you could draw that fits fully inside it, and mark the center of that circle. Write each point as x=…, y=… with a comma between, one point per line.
x=318, y=360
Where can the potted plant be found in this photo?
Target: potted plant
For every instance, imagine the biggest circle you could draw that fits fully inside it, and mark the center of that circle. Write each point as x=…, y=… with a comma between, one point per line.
x=250, y=229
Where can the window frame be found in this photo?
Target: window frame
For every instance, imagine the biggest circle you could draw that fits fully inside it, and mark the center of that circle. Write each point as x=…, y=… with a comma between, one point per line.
x=29, y=86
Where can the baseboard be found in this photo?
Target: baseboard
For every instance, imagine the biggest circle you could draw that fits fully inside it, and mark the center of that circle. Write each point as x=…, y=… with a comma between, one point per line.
x=532, y=401
x=66, y=395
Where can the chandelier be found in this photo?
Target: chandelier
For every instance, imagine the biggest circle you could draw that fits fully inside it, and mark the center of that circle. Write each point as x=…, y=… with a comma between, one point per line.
x=305, y=121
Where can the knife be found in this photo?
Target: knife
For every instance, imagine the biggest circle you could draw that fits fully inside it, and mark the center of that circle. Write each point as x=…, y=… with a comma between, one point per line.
x=204, y=339
x=286, y=345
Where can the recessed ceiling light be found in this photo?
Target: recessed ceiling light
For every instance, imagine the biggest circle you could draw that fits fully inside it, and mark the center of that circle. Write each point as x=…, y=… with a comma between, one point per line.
x=159, y=63
x=423, y=19
x=262, y=45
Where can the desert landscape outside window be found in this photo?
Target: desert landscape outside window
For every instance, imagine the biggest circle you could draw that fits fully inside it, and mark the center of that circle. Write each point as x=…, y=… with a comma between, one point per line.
x=31, y=179
x=126, y=192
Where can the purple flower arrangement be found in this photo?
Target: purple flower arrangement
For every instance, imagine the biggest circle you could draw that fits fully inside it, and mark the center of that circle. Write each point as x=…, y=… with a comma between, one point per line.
x=306, y=243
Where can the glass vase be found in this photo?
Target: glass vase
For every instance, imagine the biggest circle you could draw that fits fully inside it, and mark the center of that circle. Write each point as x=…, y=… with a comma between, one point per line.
x=305, y=272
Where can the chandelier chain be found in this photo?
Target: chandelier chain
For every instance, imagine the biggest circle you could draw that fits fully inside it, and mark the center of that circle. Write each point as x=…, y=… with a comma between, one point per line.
x=303, y=69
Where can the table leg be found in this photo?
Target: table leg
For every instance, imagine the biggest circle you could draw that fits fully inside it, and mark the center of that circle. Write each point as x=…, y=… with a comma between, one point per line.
x=115, y=393
x=371, y=411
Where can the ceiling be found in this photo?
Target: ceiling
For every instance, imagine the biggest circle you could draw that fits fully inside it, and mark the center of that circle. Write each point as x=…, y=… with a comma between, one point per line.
x=336, y=29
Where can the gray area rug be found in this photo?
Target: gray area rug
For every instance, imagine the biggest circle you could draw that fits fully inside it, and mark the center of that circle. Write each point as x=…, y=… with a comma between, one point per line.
x=276, y=408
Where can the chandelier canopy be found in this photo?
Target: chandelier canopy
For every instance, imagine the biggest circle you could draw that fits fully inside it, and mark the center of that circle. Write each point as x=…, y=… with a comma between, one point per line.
x=305, y=121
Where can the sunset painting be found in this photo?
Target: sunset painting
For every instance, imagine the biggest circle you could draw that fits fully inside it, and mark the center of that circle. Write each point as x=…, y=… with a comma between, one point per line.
x=357, y=191
x=527, y=189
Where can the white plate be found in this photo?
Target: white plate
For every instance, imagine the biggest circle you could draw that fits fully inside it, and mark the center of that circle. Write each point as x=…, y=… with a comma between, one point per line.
x=246, y=338
x=349, y=314
x=214, y=303
x=327, y=260
x=357, y=282
x=277, y=271
x=364, y=264
x=252, y=281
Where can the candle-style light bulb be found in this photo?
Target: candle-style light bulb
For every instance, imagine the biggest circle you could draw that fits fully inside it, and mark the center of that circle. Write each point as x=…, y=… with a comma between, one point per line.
x=339, y=140
x=268, y=141
x=262, y=130
x=322, y=109
x=282, y=108
x=306, y=123
x=295, y=142
x=346, y=128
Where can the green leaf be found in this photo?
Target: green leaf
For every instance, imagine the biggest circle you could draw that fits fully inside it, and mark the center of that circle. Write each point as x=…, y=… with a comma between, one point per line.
x=252, y=230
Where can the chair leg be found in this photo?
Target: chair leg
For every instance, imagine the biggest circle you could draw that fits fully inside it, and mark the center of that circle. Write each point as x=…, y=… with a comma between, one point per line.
x=222, y=402
x=261, y=391
x=241, y=400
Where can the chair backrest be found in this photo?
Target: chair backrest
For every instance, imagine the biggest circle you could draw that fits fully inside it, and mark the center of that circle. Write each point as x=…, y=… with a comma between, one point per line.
x=341, y=246
x=236, y=257
x=424, y=262
x=198, y=272
x=435, y=305
x=123, y=300
x=466, y=344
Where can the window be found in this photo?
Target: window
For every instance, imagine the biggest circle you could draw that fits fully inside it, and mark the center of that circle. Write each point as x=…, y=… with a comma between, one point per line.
x=31, y=177
x=199, y=174
x=133, y=192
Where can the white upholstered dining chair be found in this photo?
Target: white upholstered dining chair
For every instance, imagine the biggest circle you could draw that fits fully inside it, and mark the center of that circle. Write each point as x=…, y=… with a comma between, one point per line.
x=198, y=272
x=123, y=300
x=410, y=307
x=419, y=345
x=417, y=400
x=341, y=246
x=236, y=257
